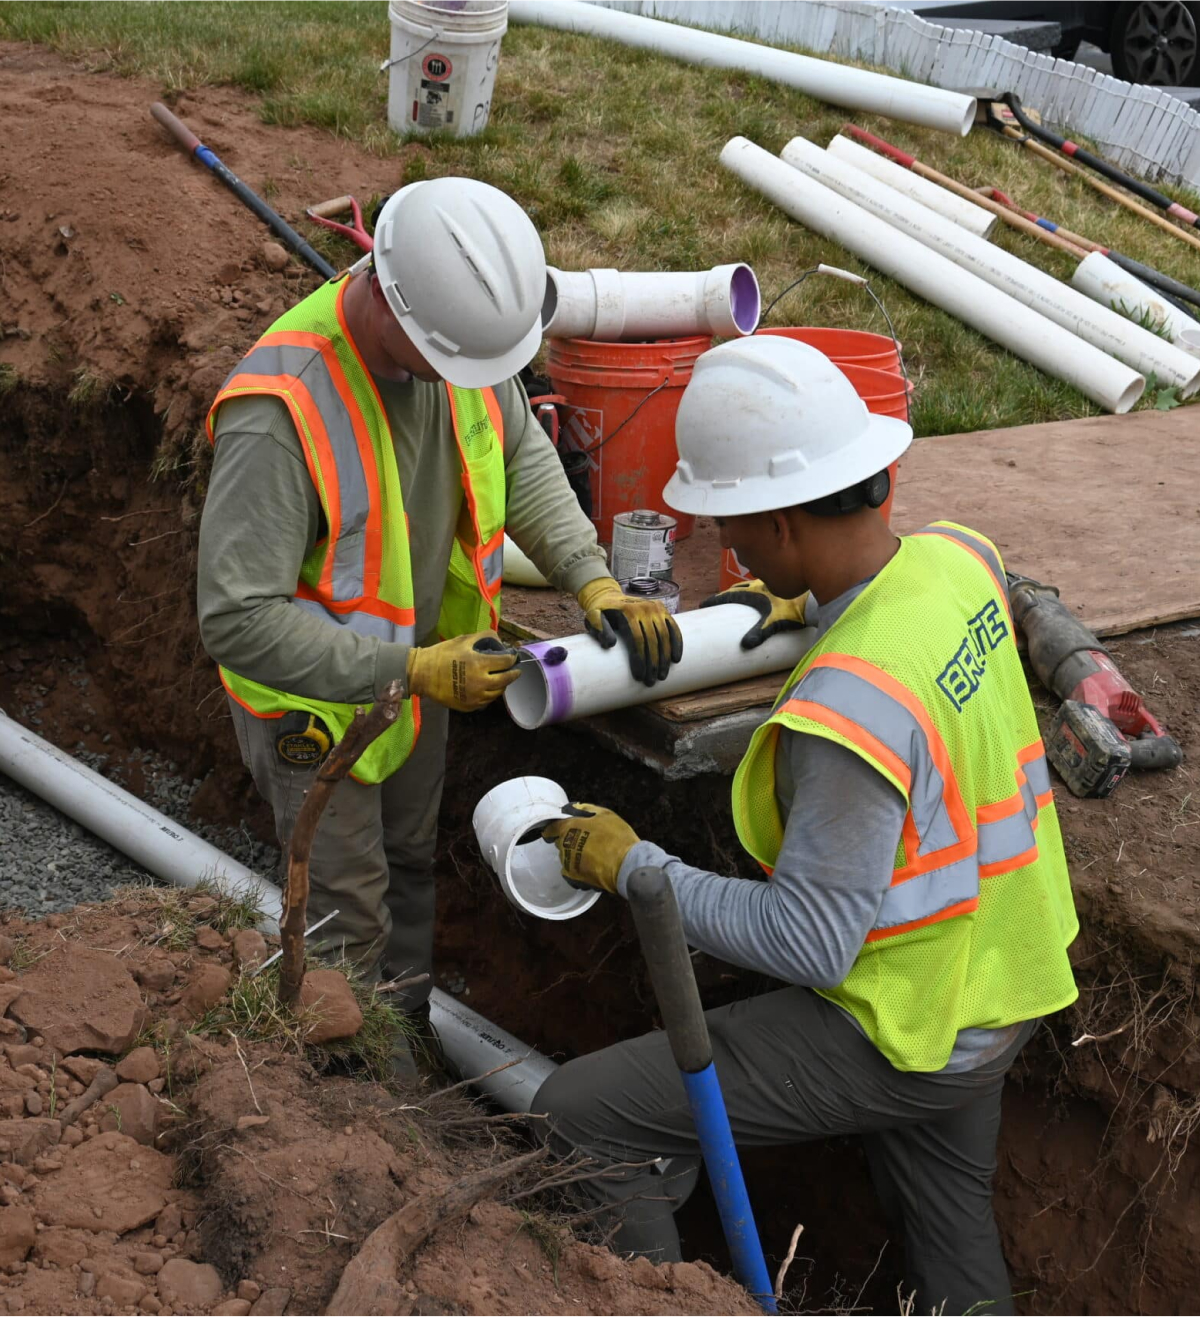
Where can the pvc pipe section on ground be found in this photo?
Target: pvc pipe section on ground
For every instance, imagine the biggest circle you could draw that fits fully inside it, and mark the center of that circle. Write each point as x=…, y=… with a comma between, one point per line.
x=975, y=302
x=836, y=84
x=519, y=568
x=473, y=1045
x=612, y=306
x=948, y=204
x=1102, y=280
x=575, y=678
x=149, y=838
x=1034, y=288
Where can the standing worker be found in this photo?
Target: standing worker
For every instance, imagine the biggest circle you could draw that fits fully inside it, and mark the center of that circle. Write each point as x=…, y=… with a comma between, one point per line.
x=899, y=800
x=370, y=450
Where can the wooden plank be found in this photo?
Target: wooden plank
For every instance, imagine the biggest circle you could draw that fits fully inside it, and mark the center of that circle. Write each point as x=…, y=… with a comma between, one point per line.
x=1106, y=508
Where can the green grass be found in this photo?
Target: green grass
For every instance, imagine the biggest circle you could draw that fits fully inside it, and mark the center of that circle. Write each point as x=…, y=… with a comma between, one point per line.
x=613, y=152
x=9, y=378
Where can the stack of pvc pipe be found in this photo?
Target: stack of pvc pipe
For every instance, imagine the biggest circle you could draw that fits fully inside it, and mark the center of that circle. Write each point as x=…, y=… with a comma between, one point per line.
x=612, y=306
x=1057, y=302
x=1113, y=287
x=836, y=84
x=938, y=280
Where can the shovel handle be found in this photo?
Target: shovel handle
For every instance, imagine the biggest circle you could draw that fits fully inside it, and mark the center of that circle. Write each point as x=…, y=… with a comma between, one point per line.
x=660, y=929
x=176, y=127
x=328, y=209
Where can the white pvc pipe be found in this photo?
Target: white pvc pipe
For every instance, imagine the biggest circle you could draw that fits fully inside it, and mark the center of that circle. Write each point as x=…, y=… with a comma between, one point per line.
x=472, y=1044
x=588, y=680
x=611, y=305
x=1099, y=278
x=1034, y=288
x=948, y=204
x=836, y=84
x=519, y=568
x=935, y=278
x=149, y=838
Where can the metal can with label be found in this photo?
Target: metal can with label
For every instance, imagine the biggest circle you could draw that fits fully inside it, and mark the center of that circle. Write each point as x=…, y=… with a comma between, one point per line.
x=649, y=587
x=643, y=544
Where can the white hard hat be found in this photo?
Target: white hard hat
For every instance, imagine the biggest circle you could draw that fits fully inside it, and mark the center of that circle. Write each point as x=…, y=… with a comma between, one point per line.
x=463, y=269
x=766, y=422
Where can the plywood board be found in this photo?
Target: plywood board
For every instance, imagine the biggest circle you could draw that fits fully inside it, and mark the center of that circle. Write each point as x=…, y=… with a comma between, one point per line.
x=1106, y=508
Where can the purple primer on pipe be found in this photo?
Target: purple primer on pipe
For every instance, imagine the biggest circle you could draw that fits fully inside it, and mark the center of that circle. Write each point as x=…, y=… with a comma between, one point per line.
x=552, y=660
x=744, y=300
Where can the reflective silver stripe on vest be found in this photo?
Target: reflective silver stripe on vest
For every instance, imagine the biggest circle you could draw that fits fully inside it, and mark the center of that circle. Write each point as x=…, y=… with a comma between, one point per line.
x=887, y=720
x=1007, y=838
x=363, y=624
x=493, y=565
x=988, y=554
x=928, y=894
x=348, y=572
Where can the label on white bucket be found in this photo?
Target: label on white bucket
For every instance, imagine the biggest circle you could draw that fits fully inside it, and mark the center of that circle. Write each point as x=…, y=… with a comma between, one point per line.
x=438, y=99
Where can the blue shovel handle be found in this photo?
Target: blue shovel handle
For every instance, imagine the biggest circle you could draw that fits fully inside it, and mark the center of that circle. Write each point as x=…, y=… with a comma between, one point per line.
x=656, y=914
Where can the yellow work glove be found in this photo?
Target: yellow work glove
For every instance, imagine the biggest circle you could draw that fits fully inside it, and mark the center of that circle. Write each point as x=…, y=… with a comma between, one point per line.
x=774, y=614
x=592, y=845
x=650, y=633
x=465, y=673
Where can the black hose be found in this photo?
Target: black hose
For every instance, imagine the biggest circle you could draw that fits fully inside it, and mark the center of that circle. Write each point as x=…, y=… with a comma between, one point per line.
x=1074, y=152
x=1162, y=282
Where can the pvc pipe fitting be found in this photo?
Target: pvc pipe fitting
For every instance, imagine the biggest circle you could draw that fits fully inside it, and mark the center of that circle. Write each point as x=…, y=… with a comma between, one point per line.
x=612, y=305
x=575, y=678
x=528, y=867
x=930, y=275
x=1041, y=292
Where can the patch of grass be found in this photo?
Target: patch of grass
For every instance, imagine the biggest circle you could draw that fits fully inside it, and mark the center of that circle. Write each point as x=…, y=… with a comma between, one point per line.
x=233, y=912
x=550, y=1236
x=613, y=152
x=24, y=956
x=89, y=389
x=9, y=378
x=369, y=1052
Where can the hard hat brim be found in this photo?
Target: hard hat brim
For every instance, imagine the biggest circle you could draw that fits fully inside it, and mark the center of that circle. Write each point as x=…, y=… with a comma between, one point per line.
x=475, y=372
x=885, y=439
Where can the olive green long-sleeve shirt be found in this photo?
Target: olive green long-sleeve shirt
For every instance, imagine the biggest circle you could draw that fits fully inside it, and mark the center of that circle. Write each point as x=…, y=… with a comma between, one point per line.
x=262, y=517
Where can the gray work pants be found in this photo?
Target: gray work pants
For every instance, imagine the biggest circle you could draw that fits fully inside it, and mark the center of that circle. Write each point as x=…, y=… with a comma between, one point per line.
x=793, y=1067
x=372, y=857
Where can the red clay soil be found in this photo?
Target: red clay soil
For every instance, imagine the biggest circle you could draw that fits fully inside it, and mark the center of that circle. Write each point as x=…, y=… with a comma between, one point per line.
x=130, y=282
x=231, y=1177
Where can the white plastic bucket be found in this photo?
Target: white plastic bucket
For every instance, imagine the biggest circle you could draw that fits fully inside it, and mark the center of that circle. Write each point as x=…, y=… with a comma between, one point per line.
x=529, y=872
x=443, y=64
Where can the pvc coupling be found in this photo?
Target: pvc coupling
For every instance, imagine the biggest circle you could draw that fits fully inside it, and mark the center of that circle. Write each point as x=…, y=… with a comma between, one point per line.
x=508, y=823
x=612, y=306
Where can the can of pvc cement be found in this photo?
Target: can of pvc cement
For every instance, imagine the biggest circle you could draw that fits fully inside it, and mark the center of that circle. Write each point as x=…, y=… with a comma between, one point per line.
x=648, y=587
x=643, y=544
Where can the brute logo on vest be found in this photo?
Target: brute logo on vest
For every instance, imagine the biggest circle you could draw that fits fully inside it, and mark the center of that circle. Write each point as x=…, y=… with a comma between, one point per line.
x=360, y=575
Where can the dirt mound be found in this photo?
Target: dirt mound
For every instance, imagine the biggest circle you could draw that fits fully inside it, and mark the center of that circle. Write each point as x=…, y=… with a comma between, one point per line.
x=226, y=1175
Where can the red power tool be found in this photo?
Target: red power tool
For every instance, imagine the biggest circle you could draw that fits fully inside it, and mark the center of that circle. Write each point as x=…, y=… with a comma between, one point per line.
x=1103, y=728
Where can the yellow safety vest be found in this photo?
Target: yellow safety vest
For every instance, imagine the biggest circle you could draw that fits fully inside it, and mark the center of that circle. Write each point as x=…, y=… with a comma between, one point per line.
x=920, y=677
x=360, y=575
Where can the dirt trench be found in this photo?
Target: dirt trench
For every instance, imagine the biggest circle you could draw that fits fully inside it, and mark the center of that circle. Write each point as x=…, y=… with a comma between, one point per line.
x=121, y=317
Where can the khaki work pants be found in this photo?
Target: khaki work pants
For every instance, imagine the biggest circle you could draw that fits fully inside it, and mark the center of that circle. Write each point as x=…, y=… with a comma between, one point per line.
x=372, y=857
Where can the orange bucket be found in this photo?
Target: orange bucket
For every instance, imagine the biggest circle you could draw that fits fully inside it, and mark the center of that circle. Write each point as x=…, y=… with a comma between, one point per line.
x=620, y=410
x=846, y=347
x=885, y=393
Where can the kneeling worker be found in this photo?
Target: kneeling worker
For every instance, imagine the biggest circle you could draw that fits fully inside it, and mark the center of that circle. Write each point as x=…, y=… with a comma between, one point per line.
x=900, y=801
x=371, y=448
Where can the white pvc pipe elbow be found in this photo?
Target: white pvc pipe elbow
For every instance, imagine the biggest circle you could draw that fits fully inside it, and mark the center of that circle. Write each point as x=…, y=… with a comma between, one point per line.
x=1034, y=288
x=948, y=204
x=835, y=84
x=611, y=305
x=575, y=678
x=1002, y=318
x=1105, y=282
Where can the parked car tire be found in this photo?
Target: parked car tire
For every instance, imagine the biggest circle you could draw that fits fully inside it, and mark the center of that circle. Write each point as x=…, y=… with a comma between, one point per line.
x=1156, y=43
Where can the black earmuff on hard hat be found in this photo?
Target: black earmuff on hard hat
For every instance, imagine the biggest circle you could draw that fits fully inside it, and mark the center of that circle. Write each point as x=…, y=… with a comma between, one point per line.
x=869, y=493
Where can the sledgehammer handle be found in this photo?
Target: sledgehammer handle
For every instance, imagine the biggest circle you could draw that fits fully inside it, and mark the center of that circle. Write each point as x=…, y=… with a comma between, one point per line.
x=656, y=914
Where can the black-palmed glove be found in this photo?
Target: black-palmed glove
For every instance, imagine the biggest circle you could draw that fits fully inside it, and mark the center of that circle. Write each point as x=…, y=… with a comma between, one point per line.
x=649, y=632
x=774, y=614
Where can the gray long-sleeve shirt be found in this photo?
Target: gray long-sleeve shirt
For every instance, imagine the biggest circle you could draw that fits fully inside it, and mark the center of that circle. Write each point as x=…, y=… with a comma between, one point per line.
x=807, y=925
x=262, y=517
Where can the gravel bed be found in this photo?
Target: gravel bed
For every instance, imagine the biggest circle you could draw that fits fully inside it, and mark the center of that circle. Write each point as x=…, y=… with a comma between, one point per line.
x=49, y=863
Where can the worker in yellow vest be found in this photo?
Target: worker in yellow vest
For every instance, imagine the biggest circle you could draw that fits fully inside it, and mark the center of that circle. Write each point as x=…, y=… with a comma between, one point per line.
x=370, y=450
x=917, y=901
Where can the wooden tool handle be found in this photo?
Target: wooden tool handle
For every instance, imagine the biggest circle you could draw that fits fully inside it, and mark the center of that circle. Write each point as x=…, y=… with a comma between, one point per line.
x=176, y=127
